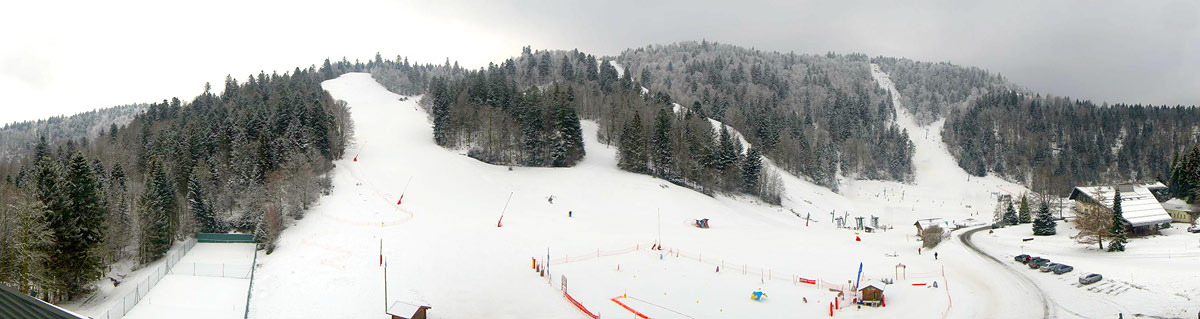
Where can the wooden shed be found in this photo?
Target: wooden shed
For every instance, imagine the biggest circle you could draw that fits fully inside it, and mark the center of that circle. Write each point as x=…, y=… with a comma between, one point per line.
x=405, y=310
x=871, y=293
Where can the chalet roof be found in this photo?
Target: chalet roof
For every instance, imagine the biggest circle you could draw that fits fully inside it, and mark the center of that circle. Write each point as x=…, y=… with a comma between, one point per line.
x=17, y=305
x=1138, y=205
x=404, y=309
x=872, y=283
x=925, y=223
x=1180, y=205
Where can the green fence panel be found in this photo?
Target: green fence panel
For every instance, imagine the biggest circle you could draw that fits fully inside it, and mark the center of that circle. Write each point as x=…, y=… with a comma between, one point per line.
x=224, y=238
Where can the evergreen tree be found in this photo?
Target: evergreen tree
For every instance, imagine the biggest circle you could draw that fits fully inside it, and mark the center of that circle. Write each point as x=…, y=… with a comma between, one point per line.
x=662, y=144
x=1010, y=215
x=569, y=131
x=1023, y=212
x=157, y=204
x=751, y=168
x=567, y=71
x=201, y=209
x=632, y=148
x=1044, y=224
x=726, y=154
x=76, y=222
x=441, y=111
x=1191, y=174
x=1117, y=231
x=545, y=64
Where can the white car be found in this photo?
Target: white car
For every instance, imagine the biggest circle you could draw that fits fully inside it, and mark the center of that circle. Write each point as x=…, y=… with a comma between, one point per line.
x=1194, y=229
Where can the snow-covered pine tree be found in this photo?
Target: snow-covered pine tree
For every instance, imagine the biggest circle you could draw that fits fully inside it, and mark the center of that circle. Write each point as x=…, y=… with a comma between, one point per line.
x=1117, y=231
x=1023, y=213
x=201, y=209
x=662, y=144
x=1043, y=224
x=751, y=168
x=632, y=149
x=998, y=212
x=441, y=110
x=726, y=154
x=569, y=129
x=531, y=127
x=157, y=203
x=1010, y=215
x=81, y=228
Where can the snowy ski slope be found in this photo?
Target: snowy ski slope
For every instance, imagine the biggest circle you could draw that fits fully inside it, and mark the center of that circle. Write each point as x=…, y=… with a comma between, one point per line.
x=442, y=244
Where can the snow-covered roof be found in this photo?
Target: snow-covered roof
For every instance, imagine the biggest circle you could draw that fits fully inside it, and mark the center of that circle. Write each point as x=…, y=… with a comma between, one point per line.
x=1138, y=205
x=1180, y=205
x=17, y=305
x=404, y=309
x=925, y=223
x=872, y=283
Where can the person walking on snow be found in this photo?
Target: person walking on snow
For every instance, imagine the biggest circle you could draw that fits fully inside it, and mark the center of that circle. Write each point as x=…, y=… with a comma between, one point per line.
x=918, y=250
x=570, y=213
x=935, y=255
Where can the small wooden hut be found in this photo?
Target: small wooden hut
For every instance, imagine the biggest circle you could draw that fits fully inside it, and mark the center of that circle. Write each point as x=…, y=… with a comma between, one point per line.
x=405, y=310
x=871, y=293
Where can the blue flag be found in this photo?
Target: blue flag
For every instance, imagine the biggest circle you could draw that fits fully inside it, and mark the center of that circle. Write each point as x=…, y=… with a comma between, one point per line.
x=859, y=277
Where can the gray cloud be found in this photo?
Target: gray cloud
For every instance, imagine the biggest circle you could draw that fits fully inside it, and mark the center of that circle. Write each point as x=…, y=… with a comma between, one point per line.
x=1117, y=51
x=104, y=54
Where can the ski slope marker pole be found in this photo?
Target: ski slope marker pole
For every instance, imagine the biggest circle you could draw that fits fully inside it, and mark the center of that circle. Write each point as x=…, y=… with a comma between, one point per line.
x=499, y=222
x=402, y=192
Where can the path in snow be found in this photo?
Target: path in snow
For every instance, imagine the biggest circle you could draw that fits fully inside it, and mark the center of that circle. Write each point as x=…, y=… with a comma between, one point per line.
x=938, y=176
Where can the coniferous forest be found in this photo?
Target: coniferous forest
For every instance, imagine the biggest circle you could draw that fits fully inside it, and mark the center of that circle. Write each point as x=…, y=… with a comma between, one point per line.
x=244, y=159
x=1055, y=143
x=527, y=111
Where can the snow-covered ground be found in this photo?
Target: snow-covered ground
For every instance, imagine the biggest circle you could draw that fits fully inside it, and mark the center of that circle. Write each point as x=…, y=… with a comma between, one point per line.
x=443, y=246
x=1157, y=276
x=210, y=281
x=111, y=301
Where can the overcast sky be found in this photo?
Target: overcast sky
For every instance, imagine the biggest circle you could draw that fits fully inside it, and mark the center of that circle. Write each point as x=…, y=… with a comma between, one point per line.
x=60, y=58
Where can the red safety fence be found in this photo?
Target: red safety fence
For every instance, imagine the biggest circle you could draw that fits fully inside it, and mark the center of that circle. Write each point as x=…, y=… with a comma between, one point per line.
x=635, y=312
x=580, y=306
x=597, y=254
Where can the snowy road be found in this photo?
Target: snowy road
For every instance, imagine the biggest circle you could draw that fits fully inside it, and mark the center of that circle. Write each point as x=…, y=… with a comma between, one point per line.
x=1026, y=283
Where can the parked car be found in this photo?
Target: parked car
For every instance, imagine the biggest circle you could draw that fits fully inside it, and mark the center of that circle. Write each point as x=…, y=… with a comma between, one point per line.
x=1090, y=278
x=1048, y=267
x=1062, y=269
x=1031, y=259
x=1021, y=258
x=1194, y=229
x=1036, y=263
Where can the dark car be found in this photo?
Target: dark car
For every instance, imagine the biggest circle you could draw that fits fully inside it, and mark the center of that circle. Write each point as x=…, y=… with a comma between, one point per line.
x=1034, y=264
x=1090, y=278
x=1022, y=258
x=1062, y=269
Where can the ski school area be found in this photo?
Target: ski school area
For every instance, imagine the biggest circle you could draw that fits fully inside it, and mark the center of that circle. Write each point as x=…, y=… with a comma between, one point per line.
x=648, y=281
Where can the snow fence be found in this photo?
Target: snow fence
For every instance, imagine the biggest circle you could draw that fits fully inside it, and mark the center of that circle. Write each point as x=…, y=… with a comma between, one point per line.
x=122, y=307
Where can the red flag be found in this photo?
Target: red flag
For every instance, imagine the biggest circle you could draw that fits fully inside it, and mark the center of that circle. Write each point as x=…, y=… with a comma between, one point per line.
x=400, y=200
x=499, y=222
